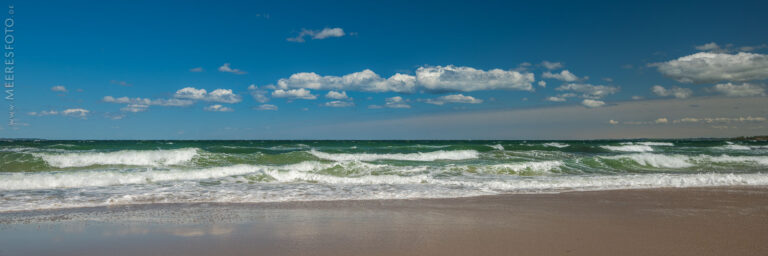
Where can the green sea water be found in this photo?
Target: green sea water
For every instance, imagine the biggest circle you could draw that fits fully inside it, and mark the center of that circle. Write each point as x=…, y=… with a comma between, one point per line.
x=41, y=174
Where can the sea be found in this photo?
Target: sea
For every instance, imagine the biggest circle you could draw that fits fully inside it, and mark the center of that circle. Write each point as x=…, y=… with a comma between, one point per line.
x=46, y=174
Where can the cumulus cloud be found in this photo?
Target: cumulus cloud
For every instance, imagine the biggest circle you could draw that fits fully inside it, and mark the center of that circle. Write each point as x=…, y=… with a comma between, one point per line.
x=317, y=34
x=258, y=94
x=266, y=107
x=365, y=80
x=455, y=98
x=589, y=91
x=336, y=95
x=148, y=102
x=677, y=92
x=135, y=105
x=218, y=108
x=714, y=47
x=437, y=78
x=592, y=103
x=134, y=108
x=709, y=47
x=226, y=68
x=339, y=104
x=71, y=112
x=542, y=83
x=705, y=120
x=59, y=88
x=743, y=90
x=551, y=65
x=197, y=69
x=555, y=99
x=294, y=94
x=711, y=67
x=394, y=102
x=467, y=79
x=218, y=95
x=564, y=75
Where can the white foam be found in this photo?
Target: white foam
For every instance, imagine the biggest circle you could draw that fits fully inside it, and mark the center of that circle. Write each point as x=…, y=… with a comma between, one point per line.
x=123, y=157
x=78, y=179
x=682, y=161
x=293, y=186
x=556, y=145
x=656, y=160
x=497, y=147
x=629, y=148
x=653, y=143
x=426, y=156
x=761, y=160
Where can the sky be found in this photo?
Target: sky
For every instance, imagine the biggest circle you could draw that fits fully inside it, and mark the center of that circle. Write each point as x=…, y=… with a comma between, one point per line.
x=384, y=70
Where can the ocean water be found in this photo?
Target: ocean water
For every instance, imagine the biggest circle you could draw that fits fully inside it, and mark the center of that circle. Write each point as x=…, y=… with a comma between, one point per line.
x=66, y=174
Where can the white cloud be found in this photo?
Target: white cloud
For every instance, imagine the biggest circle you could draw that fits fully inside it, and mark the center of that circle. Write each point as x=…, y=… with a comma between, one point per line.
x=365, y=80
x=218, y=95
x=191, y=93
x=336, y=95
x=374, y=106
x=226, y=68
x=396, y=102
x=75, y=112
x=467, y=79
x=564, y=75
x=317, y=34
x=636, y=97
x=708, y=47
x=589, y=91
x=134, y=108
x=438, y=78
x=339, y=104
x=258, y=94
x=142, y=104
x=592, y=103
x=266, y=107
x=551, y=65
x=224, y=96
x=714, y=47
x=329, y=32
x=197, y=69
x=707, y=120
x=71, y=112
x=218, y=108
x=677, y=92
x=294, y=94
x=555, y=99
x=148, y=102
x=59, y=88
x=455, y=98
x=743, y=90
x=542, y=83
x=709, y=67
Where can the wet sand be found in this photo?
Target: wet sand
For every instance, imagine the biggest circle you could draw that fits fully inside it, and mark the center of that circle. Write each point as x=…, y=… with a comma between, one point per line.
x=691, y=221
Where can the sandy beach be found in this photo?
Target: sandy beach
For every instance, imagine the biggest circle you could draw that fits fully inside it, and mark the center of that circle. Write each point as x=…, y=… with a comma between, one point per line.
x=690, y=221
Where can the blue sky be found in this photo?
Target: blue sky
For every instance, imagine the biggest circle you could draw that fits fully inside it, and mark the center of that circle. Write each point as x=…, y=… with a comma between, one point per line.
x=483, y=54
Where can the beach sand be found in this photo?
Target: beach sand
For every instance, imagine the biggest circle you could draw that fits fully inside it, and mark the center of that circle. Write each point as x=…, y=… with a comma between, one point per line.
x=689, y=221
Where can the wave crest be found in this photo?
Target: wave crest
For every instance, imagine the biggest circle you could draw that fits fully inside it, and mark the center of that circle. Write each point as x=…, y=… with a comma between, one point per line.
x=426, y=156
x=123, y=157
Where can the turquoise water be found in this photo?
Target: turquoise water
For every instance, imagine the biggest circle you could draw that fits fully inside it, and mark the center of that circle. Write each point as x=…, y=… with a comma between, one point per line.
x=62, y=174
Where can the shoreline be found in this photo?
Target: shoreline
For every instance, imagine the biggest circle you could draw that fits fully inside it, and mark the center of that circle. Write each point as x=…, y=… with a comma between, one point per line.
x=320, y=203
x=673, y=221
